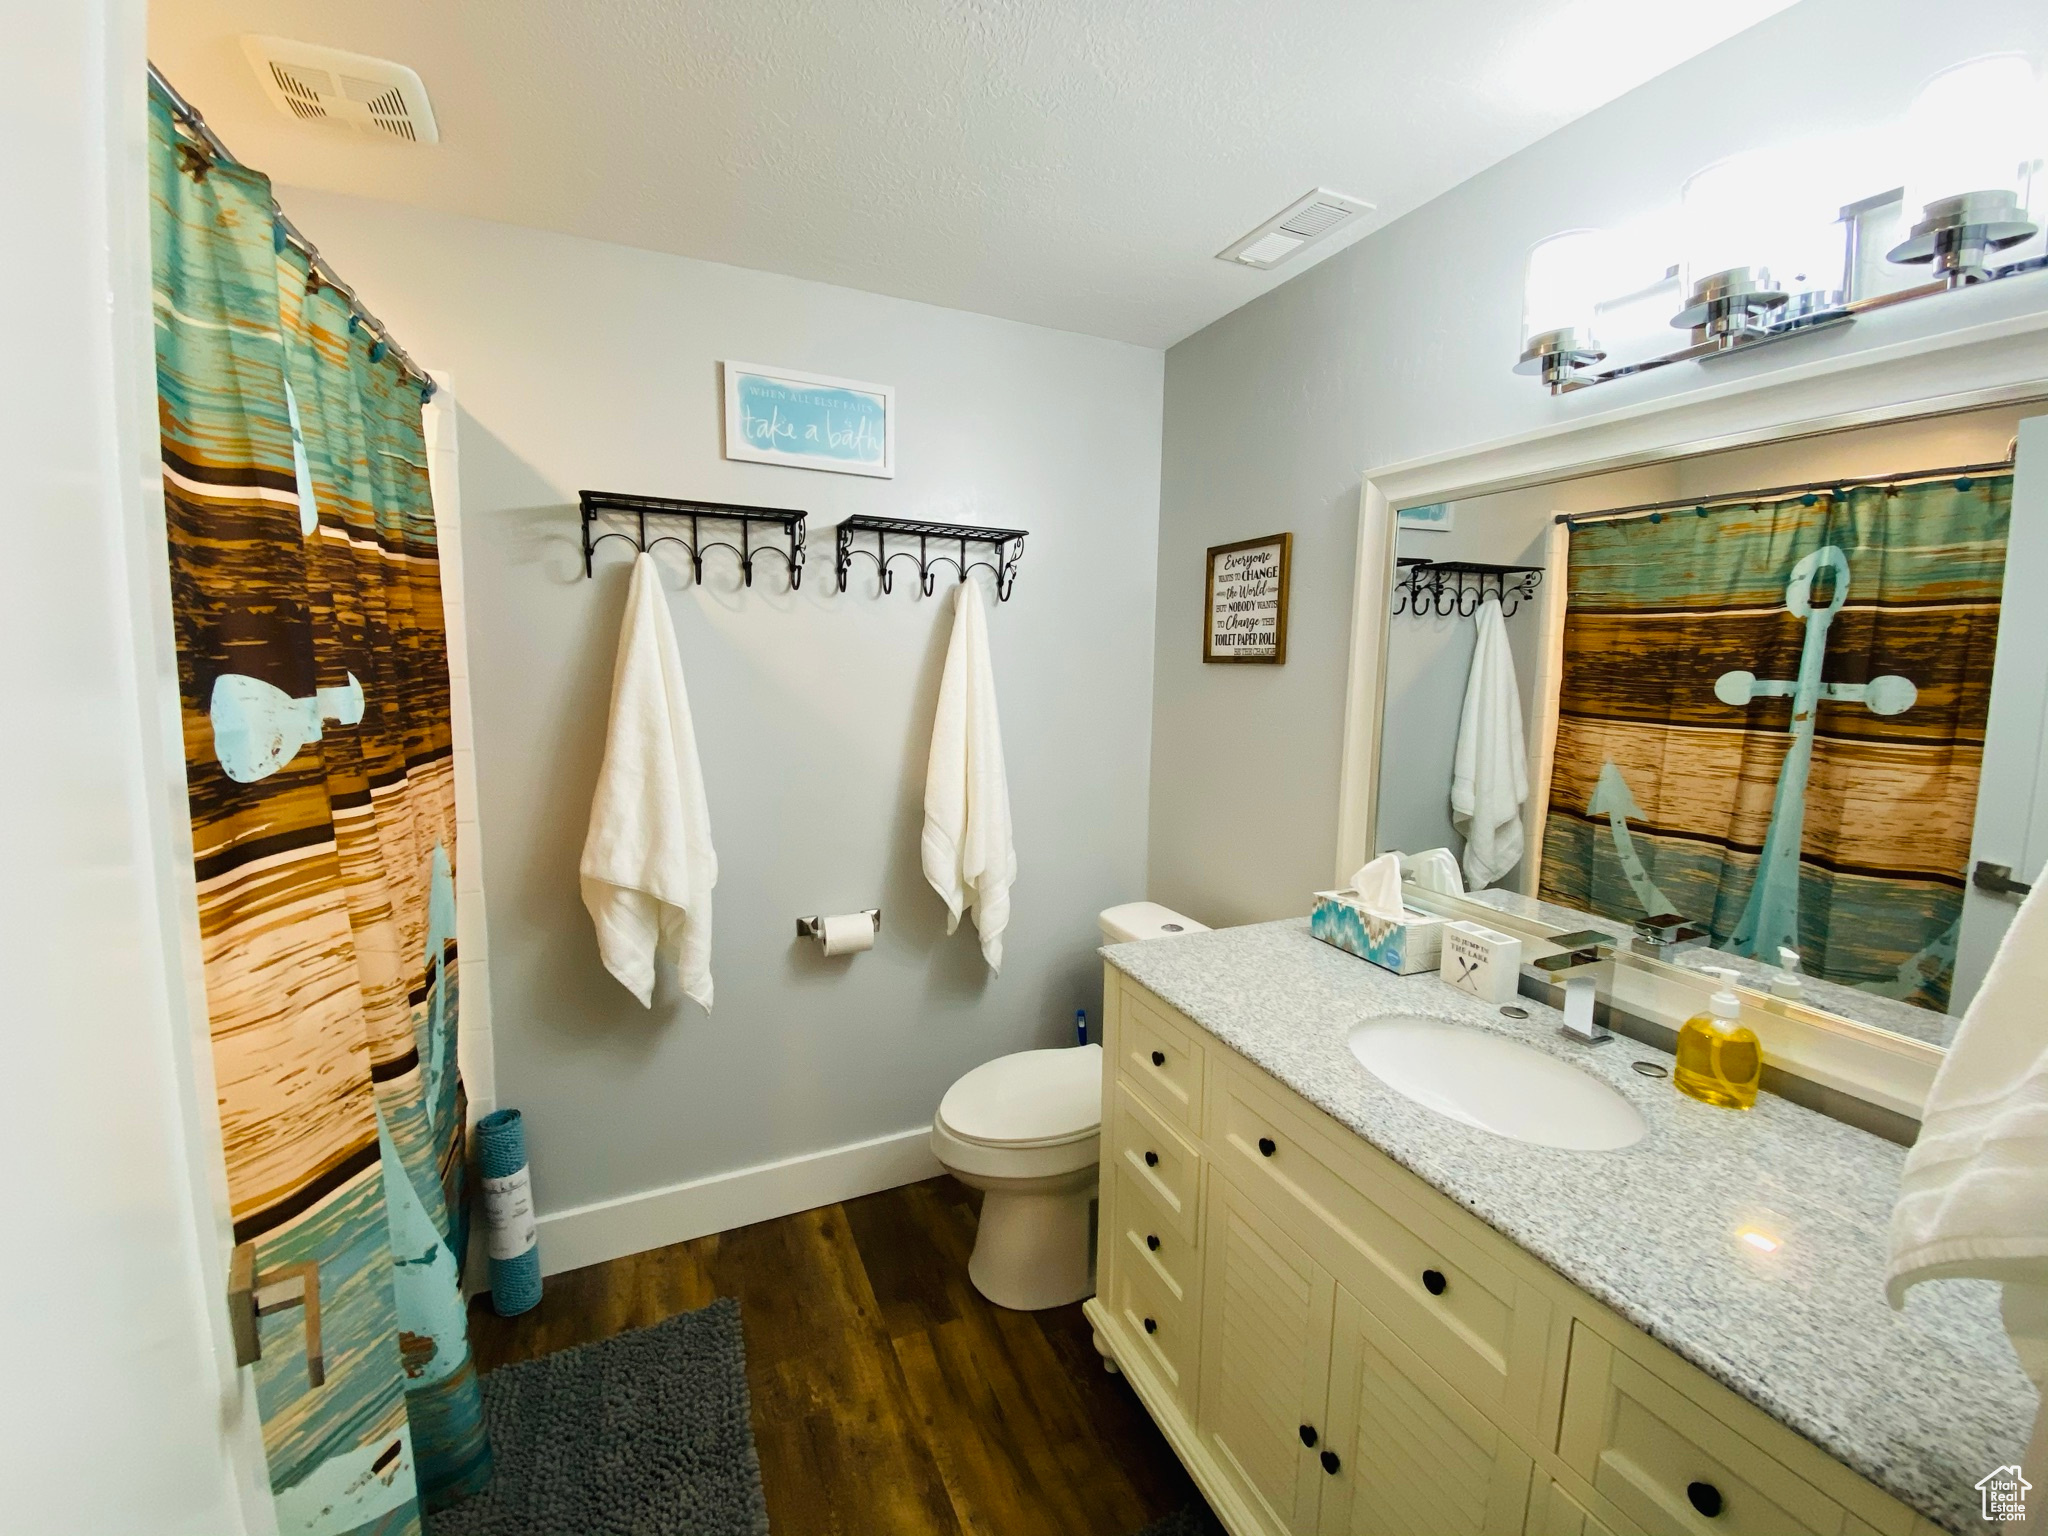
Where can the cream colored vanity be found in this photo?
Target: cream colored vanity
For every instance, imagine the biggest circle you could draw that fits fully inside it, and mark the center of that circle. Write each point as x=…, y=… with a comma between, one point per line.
x=1332, y=1346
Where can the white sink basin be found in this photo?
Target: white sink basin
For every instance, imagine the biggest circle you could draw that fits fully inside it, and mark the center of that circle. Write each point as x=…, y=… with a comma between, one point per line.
x=1497, y=1084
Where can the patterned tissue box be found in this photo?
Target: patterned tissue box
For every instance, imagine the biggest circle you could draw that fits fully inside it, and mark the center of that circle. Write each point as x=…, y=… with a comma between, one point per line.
x=1414, y=944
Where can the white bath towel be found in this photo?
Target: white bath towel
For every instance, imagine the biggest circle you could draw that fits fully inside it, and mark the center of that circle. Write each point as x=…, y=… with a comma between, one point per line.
x=648, y=864
x=969, y=856
x=1974, y=1197
x=1490, y=775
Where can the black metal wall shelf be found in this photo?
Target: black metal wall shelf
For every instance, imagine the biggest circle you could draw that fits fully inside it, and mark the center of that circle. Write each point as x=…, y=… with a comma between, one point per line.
x=790, y=522
x=1008, y=550
x=1448, y=588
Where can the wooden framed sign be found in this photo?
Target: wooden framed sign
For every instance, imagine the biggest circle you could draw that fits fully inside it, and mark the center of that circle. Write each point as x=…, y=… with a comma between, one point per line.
x=1247, y=609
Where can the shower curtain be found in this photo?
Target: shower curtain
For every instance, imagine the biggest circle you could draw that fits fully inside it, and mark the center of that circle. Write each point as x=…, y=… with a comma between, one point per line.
x=313, y=671
x=1771, y=719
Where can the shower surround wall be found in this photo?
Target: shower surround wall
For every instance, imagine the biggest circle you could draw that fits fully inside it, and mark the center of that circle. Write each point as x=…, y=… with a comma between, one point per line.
x=580, y=364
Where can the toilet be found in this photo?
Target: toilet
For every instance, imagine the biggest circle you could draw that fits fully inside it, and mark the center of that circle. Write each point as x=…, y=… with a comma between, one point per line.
x=1026, y=1130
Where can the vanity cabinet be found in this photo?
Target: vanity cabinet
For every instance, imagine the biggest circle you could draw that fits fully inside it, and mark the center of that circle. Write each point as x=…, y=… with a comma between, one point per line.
x=1336, y=1349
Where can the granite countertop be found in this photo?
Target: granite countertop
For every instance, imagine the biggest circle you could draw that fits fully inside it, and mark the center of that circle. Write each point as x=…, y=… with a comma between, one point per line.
x=1922, y=1402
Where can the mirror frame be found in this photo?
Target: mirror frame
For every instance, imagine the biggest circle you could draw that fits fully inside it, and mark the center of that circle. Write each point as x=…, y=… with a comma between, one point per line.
x=2001, y=361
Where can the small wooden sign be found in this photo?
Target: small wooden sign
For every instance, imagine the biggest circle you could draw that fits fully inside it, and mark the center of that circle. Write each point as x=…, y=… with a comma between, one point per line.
x=1247, y=612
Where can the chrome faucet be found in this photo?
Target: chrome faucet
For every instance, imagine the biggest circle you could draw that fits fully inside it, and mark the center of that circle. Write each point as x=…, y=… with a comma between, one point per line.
x=1572, y=965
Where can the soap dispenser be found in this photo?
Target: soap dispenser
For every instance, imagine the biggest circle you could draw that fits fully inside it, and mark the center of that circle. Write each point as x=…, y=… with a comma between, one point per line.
x=1719, y=1061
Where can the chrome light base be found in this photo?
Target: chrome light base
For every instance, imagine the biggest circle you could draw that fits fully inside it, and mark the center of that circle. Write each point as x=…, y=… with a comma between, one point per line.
x=1557, y=356
x=1727, y=306
x=1959, y=235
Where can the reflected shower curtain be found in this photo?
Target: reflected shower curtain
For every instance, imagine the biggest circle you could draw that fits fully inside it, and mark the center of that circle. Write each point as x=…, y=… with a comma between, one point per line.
x=1771, y=719
x=313, y=672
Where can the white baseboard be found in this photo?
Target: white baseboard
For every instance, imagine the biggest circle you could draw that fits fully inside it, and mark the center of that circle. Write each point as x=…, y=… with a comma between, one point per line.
x=654, y=1218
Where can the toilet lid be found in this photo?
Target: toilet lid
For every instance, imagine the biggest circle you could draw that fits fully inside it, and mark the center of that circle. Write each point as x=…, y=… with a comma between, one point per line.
x=1033, y=1097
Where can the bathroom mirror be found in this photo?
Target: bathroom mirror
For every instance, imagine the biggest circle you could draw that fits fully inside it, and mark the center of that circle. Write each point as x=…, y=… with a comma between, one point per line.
x=1779, y=709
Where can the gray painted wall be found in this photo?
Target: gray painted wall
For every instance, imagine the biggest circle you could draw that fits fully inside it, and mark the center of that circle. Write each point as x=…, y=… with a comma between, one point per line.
x=580, y=364
x=1401, y=347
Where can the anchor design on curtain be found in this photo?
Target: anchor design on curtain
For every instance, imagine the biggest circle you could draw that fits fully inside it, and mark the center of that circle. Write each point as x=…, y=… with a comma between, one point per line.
x=1770, y=918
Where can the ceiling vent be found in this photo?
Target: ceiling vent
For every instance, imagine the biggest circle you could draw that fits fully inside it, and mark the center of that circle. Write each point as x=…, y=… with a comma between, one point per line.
x=325, y=85
x=1315, y=217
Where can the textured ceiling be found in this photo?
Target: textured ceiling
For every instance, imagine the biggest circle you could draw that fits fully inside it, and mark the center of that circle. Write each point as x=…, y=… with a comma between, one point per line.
x=1067, y=163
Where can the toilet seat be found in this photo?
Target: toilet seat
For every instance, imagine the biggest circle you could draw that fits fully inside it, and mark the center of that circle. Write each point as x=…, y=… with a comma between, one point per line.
x=1028, y=1100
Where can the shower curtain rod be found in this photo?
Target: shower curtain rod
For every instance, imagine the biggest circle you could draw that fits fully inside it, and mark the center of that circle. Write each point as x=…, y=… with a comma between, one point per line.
x=188, y=115
x=1704, y=504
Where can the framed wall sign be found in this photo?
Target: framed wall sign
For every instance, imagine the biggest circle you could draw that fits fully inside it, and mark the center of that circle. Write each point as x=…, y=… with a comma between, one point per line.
x=1435, y=517
x=1247, y=608
x=809, y=421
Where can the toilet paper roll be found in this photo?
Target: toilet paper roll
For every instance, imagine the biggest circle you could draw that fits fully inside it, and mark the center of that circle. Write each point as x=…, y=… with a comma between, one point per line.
x=848, y=933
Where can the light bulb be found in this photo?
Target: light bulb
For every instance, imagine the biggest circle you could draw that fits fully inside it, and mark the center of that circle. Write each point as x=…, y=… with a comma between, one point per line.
x=1972, y=128
x=1566, y=278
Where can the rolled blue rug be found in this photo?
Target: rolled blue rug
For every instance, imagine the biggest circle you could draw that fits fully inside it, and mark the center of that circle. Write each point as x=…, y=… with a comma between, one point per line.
x=511, y=1234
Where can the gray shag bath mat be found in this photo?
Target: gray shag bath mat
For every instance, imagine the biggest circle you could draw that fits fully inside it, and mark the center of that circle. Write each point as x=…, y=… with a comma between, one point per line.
x=1195, y=1520
x=645, y=1434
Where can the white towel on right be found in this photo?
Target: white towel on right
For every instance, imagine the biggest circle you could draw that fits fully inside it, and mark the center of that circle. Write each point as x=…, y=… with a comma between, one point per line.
x=1490, y=774
x=969, y=855
x=1973, y=1201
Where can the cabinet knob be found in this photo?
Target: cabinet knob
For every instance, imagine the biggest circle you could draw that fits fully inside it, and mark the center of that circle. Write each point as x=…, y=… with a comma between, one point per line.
x=1152, y=1326
x=1159, y=1058
x=1705, y=1497
x=1152, y=1241
x=1267, y=1147
x=1308, y=1434
x=1331, y=1463
x=1433, y=1281
x=1151, y=1159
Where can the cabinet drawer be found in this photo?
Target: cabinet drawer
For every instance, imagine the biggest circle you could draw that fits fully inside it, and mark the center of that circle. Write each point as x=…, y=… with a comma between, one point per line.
x=1147, y=1240
x=1164, y=1326
x=1162, y=1165
x=1668, y=1464
x=1163, y=1058
x=1463, y=1311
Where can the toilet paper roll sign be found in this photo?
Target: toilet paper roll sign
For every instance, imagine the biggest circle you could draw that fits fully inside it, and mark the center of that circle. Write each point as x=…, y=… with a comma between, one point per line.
x=845, y=933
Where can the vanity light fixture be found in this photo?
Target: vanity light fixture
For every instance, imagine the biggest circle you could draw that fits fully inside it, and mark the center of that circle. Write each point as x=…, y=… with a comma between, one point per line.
x=1770, y=246
x=1974, y=131
x=1958, y=235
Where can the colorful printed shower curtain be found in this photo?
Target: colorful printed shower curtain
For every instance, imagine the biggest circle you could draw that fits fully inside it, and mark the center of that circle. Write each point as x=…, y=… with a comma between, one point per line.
x=1771, y=719
x=313, y=669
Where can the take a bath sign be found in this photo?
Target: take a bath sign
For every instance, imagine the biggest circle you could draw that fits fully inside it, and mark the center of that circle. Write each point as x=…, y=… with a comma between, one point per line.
x=809, y=421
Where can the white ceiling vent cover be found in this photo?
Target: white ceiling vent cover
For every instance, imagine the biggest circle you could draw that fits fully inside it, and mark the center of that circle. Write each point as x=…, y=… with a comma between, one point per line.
x=373, y=96
x=1309, y=219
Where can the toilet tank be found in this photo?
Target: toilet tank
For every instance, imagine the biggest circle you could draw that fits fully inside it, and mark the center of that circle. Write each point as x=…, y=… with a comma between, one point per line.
x=1136, y=920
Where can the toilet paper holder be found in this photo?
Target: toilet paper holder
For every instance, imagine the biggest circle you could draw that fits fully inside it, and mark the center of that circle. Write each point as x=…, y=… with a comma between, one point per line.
x=814, y=927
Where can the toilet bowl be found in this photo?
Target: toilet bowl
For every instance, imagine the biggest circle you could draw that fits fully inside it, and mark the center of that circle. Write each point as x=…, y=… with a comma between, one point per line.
x=1026, y=1130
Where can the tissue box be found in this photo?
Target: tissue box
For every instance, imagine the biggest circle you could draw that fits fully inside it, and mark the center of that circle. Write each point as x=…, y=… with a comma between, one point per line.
x=1412, y=945
x=1482, y=962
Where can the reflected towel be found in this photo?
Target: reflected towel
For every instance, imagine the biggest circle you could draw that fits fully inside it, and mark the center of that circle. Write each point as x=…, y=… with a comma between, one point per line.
x=648, y=864
x=1490, y=775
x=1973, y=1201
x=969, y=855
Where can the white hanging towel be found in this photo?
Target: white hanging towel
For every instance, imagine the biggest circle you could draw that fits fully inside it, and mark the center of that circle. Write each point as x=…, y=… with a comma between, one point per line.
x=969, y=857
x=648, y=864
x=1974, y=1197
x=1490, y=775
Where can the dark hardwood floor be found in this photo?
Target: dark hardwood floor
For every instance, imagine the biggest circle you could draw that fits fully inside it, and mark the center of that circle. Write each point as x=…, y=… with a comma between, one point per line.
x=888, y=1396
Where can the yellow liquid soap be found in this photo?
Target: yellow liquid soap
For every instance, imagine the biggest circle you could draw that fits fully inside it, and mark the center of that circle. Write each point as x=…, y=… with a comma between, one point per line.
x=1719, y=1061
